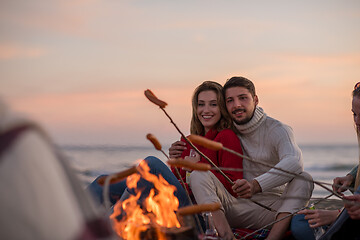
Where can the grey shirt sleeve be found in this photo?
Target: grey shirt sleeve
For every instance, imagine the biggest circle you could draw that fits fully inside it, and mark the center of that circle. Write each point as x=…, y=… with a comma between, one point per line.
x=354, y=171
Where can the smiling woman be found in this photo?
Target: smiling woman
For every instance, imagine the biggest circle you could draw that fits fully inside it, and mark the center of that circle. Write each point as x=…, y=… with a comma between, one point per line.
x=211, y=120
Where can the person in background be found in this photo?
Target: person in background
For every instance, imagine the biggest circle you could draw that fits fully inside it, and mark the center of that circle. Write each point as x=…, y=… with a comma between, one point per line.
x=343, y=225
x=263, y=139
x=41, y=198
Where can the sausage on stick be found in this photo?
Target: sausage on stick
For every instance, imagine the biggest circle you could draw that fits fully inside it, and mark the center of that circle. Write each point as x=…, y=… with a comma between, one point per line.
x=195, y=209
x=151, y=96
x=179, y=162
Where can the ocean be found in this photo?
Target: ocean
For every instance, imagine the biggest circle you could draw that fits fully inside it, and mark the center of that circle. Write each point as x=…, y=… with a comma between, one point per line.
x=323, y=162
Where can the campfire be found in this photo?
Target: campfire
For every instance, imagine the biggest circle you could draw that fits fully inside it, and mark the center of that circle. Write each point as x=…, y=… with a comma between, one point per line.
x=156, y=216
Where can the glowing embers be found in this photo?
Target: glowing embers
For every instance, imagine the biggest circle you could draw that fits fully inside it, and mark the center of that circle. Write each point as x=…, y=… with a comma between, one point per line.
x=157, y=213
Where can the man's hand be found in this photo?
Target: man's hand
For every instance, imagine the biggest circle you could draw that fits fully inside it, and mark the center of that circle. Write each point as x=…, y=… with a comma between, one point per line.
x=341, y=184
x=176, y=149
x=353, y=208
x=245, y=189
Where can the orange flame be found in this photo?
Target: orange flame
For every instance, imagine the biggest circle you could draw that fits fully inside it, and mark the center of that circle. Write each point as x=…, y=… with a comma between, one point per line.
x=159, y=207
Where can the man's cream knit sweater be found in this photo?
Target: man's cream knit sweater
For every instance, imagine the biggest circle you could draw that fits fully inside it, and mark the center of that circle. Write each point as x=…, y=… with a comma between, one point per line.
x=268, y=140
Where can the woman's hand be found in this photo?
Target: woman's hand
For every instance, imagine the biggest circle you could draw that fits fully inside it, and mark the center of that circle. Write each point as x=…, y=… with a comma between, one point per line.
x=319, y=217
x=353, y=208
x=194, y=157
x=177, y=149
x=341, y=184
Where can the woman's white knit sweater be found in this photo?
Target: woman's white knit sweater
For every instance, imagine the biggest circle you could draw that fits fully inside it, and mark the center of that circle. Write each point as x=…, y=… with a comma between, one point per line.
x=268, y=140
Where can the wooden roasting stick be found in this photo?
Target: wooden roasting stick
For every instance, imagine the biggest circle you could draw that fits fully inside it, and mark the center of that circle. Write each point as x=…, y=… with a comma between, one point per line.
x=195, y=209
x=152, y=98
x=279, y=220
x=158, y=146
x=217, y=146
x=117, y=177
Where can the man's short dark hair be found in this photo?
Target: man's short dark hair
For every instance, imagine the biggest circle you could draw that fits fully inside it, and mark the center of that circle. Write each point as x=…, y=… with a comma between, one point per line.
x=240, y=82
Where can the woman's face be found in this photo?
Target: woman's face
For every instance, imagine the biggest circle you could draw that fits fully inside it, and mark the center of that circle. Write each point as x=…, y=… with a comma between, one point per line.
x=208, y=110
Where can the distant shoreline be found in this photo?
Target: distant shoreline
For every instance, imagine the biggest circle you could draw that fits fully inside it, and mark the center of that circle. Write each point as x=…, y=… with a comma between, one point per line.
x=306, y=145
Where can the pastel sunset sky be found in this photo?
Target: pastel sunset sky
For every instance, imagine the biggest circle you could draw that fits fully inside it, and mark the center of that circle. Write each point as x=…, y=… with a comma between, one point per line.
x=80, y=67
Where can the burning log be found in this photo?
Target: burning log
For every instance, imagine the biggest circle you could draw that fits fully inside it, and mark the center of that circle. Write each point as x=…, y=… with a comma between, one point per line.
x=131, y=220
x=183, y=233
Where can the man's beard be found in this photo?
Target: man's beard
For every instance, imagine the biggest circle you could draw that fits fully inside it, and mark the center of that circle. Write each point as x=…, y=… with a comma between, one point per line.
x=244, y=121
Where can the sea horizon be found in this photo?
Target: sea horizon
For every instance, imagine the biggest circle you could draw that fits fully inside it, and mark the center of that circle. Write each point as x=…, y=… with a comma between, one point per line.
x=323, y=161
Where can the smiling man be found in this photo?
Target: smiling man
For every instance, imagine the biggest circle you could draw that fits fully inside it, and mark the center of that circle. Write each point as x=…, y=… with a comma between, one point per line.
x=267, y=140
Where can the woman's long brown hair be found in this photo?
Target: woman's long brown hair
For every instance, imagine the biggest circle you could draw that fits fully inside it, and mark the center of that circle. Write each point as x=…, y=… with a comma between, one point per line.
x=225, y=121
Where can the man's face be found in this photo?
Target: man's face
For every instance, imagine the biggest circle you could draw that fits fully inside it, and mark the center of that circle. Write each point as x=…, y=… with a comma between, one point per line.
x=240, y=104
